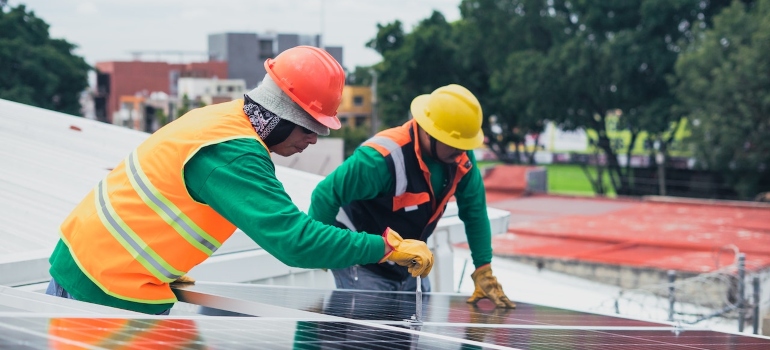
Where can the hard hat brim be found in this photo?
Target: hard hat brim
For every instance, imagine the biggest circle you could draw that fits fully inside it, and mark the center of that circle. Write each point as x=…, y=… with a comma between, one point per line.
x=419, y=106
x=331, y=122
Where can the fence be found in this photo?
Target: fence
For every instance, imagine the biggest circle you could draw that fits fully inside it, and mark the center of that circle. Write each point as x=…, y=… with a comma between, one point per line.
x=725, y=296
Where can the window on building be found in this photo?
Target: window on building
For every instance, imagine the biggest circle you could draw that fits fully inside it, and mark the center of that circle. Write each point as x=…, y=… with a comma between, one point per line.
x=265, y=49
x=361, y=120
x=358, y=100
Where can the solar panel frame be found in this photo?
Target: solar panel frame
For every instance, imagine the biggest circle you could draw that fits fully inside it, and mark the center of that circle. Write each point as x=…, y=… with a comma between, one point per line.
x=449, y=315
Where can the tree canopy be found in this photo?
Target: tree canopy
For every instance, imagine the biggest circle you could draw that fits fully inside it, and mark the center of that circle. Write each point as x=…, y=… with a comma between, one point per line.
x=572, y=62
x=724, y=87
x=36, y=69
x=413, y=64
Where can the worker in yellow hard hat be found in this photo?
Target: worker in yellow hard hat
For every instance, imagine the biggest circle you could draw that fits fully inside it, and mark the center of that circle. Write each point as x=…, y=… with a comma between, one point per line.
x=180, y=195
x=403, y=178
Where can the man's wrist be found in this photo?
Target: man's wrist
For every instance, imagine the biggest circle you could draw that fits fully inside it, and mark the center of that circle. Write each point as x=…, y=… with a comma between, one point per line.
x=388, y=248
x=388, y=251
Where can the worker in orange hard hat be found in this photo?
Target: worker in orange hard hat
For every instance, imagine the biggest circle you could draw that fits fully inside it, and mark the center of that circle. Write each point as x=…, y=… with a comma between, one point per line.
x=180, y=194
x=403, y=178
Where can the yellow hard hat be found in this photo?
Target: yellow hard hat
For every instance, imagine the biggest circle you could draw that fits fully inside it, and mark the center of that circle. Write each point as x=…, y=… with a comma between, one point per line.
x=452, y=115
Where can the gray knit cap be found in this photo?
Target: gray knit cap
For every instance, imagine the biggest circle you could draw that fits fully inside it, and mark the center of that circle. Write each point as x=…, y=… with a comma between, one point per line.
x=270, y=96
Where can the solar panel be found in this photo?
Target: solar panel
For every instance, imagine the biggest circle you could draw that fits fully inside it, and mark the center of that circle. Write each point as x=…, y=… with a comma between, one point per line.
x=528, y=326
x=206, y=333
x=299, y=318
x=397, y=306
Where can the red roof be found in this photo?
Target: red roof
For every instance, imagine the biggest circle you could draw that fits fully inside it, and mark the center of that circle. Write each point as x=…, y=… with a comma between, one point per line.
x=682, y=236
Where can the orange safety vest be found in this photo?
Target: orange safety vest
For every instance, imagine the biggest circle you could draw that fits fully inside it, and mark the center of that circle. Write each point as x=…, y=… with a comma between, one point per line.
x=414, y=207
x=139, y=228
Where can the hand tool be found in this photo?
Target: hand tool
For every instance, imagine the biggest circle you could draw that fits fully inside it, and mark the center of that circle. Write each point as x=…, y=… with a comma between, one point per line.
x=418, y=313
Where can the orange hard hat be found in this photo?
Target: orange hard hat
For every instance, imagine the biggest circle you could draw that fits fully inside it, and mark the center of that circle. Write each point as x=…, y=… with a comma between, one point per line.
x=312, y=78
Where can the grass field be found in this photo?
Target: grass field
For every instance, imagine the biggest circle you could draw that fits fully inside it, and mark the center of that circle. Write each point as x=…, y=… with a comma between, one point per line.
x=568, y=179
x=571, y=179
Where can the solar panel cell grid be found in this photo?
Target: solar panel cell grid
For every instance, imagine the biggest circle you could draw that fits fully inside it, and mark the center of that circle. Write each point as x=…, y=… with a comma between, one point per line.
x=526, y=327
x=295, y=318
x=398, y=306
x=210, y=333
x=557, y=339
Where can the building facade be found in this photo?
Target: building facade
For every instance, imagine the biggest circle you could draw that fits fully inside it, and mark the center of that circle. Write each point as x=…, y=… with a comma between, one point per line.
x=210, y=90
x=356, y=107
x=141, y=78
x=245, y=53
x=236, y=65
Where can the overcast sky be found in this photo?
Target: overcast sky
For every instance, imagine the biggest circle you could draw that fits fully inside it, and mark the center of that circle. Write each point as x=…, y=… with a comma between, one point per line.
x=108, y=30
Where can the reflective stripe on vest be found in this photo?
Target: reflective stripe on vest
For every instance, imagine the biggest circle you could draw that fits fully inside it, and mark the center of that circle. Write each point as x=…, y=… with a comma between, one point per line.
x=140, y=250
x=411, y=189
x=398, y=161
x=167, y=210
x=400, y=174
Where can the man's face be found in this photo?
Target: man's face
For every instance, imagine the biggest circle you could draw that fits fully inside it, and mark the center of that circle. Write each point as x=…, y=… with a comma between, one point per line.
x=299, y=139
x=447, y=154
x=443, y=152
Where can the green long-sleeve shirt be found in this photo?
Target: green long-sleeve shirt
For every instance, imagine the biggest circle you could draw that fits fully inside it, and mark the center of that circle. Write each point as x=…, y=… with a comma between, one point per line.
x=237, y=179
x=365, y=175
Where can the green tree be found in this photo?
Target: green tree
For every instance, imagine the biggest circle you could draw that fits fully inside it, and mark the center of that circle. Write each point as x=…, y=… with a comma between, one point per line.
x=361, y=76
x=503, y=43
x=572, y=62
x=723, y=85
x=161, y=117
x=184, y=106
x=413, y=64
x=36, y=69
x=616, y=59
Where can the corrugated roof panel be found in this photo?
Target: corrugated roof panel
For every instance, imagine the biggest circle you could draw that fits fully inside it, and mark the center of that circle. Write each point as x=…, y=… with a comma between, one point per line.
x=49, y=162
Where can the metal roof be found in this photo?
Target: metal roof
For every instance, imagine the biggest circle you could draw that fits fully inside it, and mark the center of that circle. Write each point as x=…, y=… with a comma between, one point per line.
x=49, y=162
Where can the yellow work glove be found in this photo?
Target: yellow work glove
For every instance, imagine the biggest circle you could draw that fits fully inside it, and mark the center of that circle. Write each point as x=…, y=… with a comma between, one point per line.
x=185, y=279
x=412, y=253
x=488, y=287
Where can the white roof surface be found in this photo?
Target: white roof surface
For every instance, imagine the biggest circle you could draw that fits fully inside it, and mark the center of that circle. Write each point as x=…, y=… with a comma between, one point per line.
x=49, y=162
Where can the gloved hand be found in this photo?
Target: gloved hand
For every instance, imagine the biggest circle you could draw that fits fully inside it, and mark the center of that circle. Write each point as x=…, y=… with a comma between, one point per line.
x=412, y=253
x=185, y=279
x=488, y=287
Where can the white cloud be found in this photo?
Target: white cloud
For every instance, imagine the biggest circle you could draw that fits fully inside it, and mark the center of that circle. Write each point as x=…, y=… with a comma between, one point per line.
x=193, y=14
x=87, y=8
